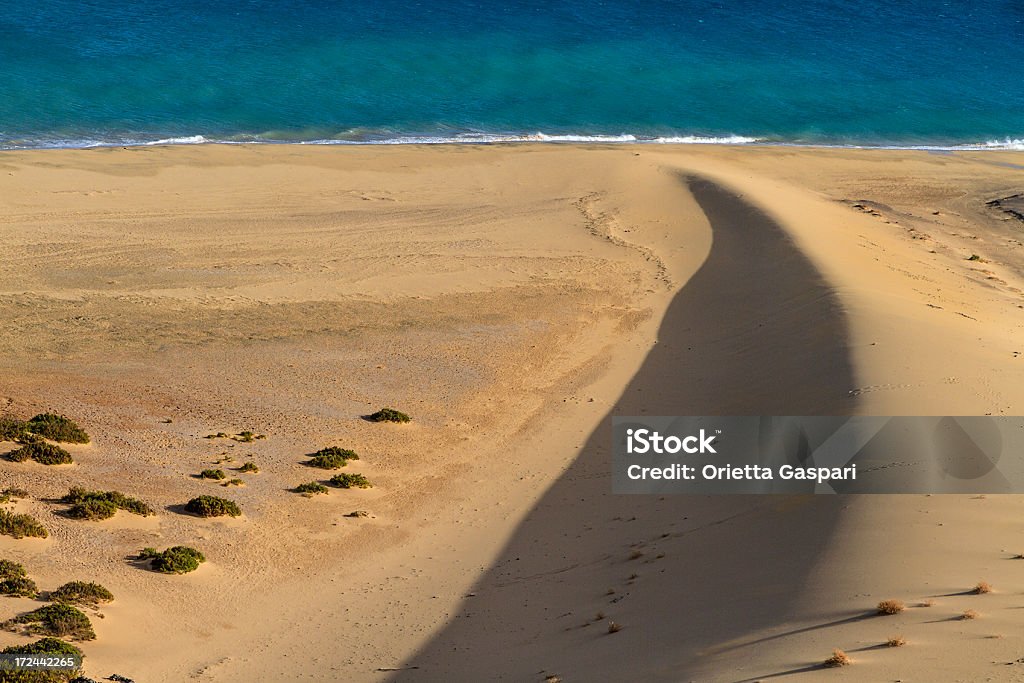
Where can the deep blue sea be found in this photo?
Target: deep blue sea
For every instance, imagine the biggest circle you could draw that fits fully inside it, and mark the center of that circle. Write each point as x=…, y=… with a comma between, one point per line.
x=859, y=72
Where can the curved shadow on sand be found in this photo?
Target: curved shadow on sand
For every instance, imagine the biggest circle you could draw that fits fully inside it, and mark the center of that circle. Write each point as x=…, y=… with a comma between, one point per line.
x=756, y=331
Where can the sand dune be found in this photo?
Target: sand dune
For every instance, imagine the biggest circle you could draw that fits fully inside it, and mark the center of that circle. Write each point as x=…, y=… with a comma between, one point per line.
x=511, y=299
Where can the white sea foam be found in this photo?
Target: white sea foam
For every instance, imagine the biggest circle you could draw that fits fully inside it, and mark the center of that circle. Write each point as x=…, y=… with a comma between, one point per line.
x=369, y=138
x=1016, y=144
x=702, y=140
x=186, y=140
x=543, y=137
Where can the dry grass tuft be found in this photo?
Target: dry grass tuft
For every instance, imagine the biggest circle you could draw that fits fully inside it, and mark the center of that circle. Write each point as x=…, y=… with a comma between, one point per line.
x=970, y=614
x=896, y=641
x=614, y=627
x=838, y=658
x=926, y=603
x=982, y=588
x=891, y=607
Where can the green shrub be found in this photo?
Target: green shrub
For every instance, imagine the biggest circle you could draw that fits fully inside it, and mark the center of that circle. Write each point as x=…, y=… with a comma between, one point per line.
x=43, y=646
x=58, y=619
x=44, y=676
x=249, y=467
x=85, y=502
x=177, y=560
x=92, y=510
x=11, y=428
x=350, y=481
x=14, y=582
x=389, y=415
x=81, y=593
x=7, y=495
x=19, y=586
x=332, y=458
x=20, y=525
x=212, y=474
x=244, y=437
x=212, y=506
x=41, y=452
x=57, y=428
x=310, y=489
x=233, y=482
x=10, y=569
x=248, y=436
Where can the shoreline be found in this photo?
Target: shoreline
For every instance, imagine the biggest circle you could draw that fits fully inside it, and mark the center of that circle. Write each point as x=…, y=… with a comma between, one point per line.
x=1008, y=144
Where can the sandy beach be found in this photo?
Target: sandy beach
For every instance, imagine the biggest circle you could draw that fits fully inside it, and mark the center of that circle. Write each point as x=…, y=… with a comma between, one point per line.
x=511, y=299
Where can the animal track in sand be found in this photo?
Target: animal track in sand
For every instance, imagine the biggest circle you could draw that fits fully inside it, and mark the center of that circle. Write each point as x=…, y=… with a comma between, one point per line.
x=605, y=224
x=881, y=387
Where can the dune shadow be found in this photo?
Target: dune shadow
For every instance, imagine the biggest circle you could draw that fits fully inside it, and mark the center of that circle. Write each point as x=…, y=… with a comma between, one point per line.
x=800, y=631
x=755, y=331
x=139, y=562
x=788, y=672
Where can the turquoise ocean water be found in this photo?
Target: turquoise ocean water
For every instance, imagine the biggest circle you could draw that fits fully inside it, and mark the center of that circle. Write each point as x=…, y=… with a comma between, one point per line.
x=900, y=73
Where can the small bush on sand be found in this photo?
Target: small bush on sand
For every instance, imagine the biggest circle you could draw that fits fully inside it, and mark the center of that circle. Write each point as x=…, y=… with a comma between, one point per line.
x=58, y=619
x=13, y=580
x=7, y=495
x=41, y=452
x=969, y=614
x=177, y=560
x=982, y=588
x=249, y=467
x=11, y=428
x=248, y=436
x=233, y=482
x=310, y=489
x=44, y=646
x=212, y=474
x=350, y=481
x=102, y=500
x=92, y=510
x=20, y=525
x=896, y=641
x=212, y=506
x=332, y=458
x=891, y=607
x=614, y=627
x=57, y=428
x=19, y=586
x=81, y=593
x=838, y=658
x=10, y=569
x=389, y=415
